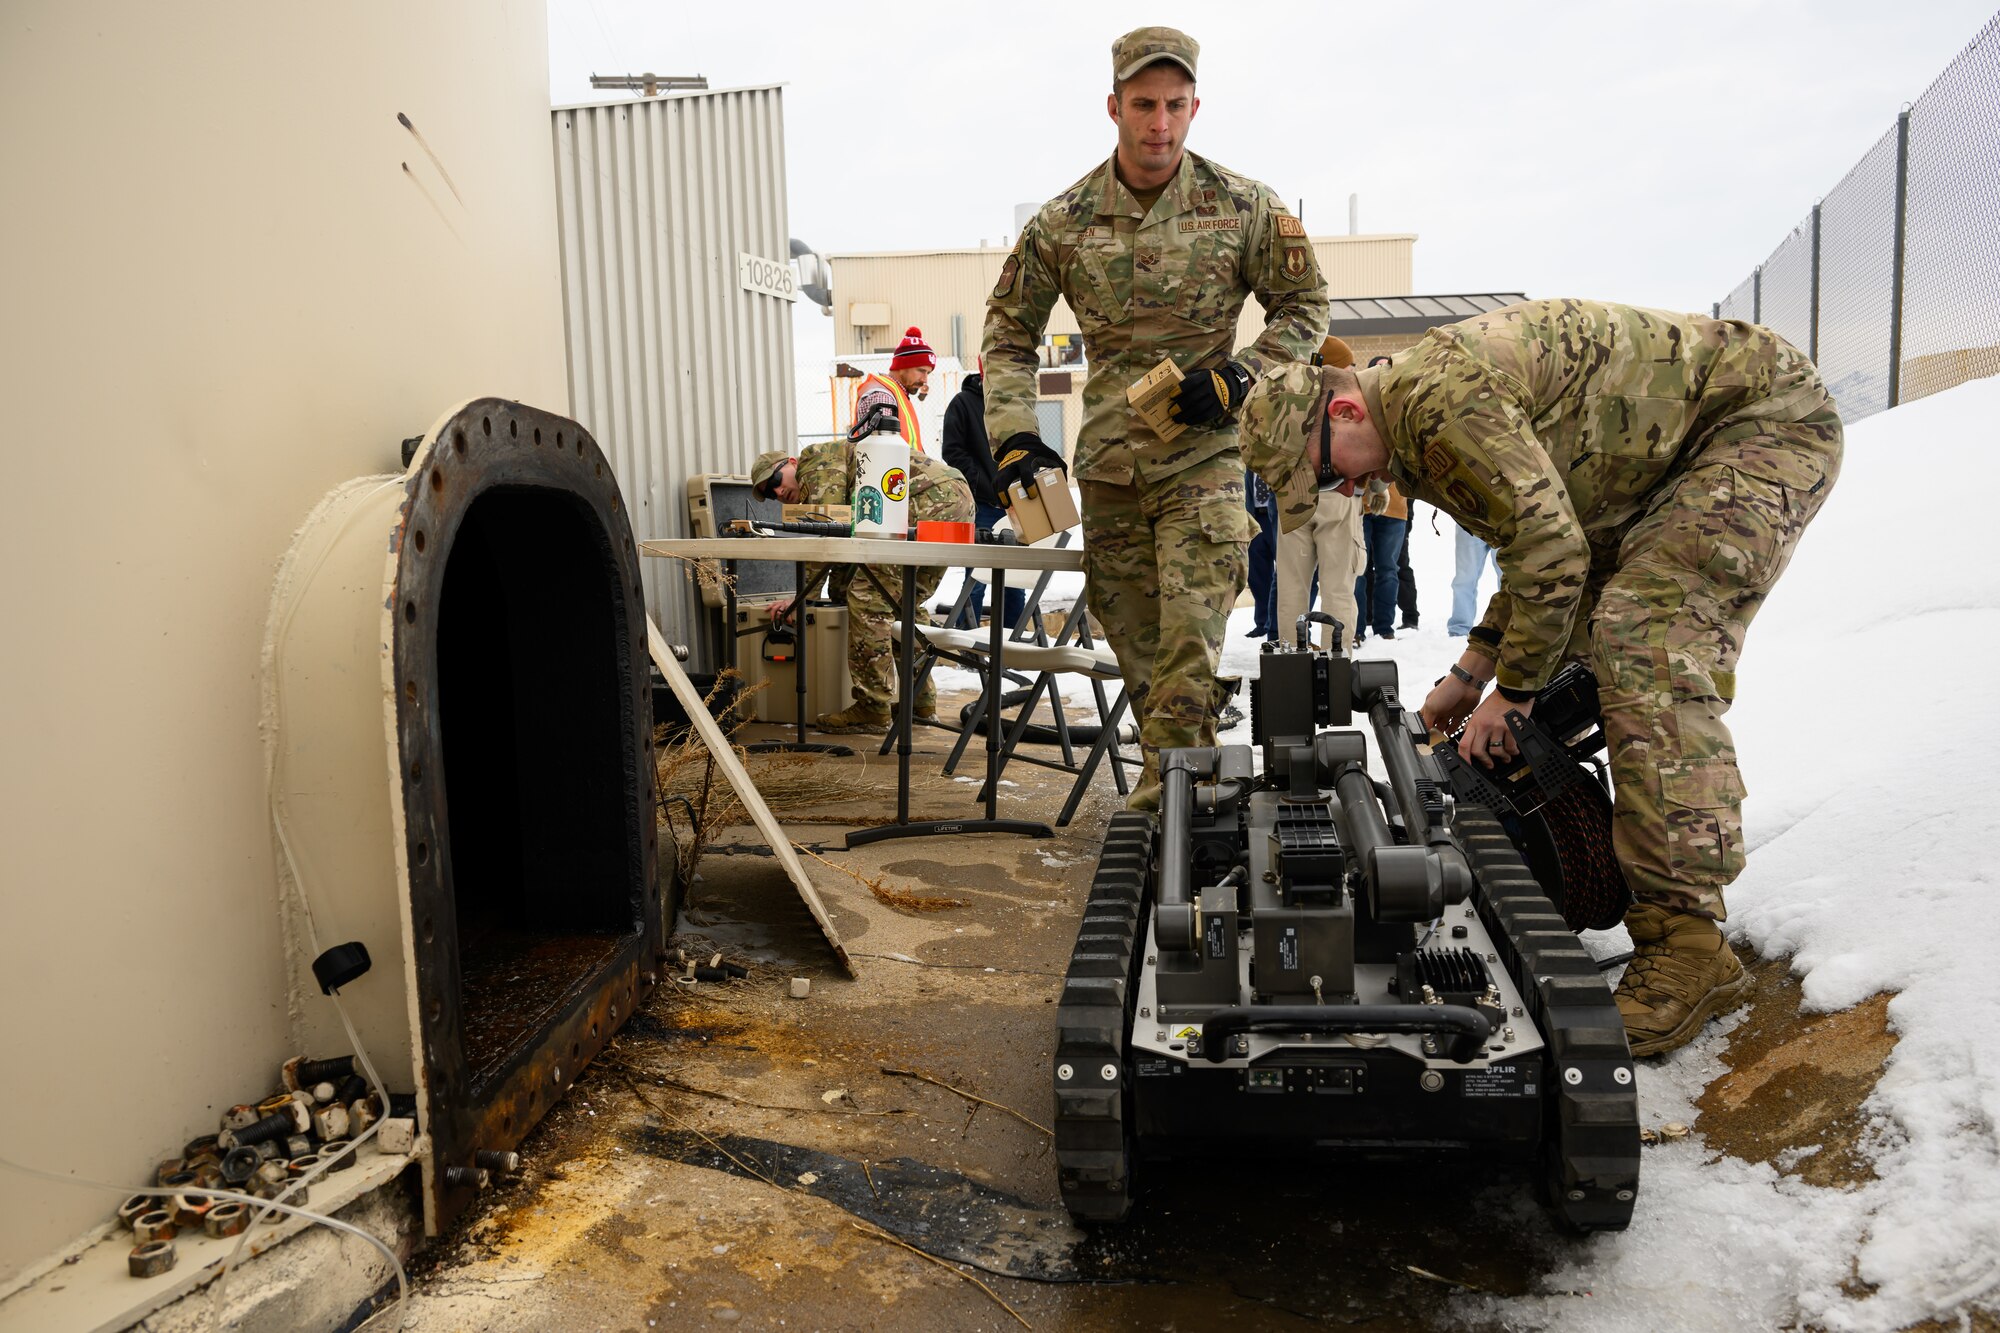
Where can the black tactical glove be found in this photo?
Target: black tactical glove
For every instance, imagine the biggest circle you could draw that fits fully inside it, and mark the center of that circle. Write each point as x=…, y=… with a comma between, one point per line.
x=1021, y=458
x=1207, y=396
x=882, y=416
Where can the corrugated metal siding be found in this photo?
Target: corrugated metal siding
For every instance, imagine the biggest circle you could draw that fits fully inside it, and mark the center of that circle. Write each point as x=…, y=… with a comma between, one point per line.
x=1365, y=265
x=672, y=365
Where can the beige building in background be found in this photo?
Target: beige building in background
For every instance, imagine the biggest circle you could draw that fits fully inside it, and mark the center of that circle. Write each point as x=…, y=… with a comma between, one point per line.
x=943, y=292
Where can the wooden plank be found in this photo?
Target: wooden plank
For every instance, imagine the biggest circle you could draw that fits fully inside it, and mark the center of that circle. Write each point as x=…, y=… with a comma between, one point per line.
x=864, y=551
x=739, y=778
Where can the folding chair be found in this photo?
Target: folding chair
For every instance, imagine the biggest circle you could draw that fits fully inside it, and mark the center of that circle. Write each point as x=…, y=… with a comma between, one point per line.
x=1072, y=653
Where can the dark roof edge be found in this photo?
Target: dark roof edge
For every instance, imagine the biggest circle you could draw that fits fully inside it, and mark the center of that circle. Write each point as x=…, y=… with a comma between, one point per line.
x=1382, y=325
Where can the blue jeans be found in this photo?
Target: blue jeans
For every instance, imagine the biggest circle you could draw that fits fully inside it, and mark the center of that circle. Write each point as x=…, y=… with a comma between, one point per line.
x=1375, y=591
x=1471, y=558
x=1263, y=558
x=986, y=516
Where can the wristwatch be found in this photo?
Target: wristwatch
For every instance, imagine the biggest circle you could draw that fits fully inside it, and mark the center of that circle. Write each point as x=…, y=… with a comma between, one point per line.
x=1462, y=674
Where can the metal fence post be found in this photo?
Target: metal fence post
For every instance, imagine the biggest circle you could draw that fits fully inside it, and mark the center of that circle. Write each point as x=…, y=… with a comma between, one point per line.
x=1757, y=295
x=1812, y=349
x=1715, y=310
x=1896, y=274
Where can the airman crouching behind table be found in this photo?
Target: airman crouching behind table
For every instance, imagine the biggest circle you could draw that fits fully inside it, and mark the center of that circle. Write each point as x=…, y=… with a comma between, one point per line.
x=824, y=475
x=1644, y=478
x=1155, y=251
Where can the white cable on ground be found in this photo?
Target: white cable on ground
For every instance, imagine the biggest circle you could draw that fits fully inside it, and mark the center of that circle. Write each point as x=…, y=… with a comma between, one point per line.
x=402, y=1278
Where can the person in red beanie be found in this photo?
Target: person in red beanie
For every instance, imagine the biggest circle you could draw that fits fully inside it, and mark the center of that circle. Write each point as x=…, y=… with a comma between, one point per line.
x=909, y=373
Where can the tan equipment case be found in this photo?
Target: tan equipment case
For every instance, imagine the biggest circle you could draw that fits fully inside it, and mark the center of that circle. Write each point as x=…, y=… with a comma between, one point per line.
x=829, y=686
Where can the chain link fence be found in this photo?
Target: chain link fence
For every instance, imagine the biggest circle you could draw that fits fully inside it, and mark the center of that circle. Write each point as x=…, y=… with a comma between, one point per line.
x=1892, y=283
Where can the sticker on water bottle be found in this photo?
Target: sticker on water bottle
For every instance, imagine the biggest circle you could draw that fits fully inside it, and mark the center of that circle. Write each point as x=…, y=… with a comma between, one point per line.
x=892, y=484
x=868, y=505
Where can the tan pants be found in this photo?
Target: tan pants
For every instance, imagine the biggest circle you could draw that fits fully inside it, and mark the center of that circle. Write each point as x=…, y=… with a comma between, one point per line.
x=1331, y=540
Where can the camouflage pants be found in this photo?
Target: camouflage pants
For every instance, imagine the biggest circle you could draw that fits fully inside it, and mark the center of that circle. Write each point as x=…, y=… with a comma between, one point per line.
x=871, y=629
x=1166, y=559
x=1665, y=636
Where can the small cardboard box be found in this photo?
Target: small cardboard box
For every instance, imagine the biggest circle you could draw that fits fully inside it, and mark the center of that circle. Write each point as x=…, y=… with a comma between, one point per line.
x=1153, y=399
x=1051, y=509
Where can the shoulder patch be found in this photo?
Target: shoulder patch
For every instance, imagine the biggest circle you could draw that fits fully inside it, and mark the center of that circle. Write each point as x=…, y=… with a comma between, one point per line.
x=1010, y=272
x=1298, y=263
x=1290, y=226
x=1212, y=224
x=1437, y=460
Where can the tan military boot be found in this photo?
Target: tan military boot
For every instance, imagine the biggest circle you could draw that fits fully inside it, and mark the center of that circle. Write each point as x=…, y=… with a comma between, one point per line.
x=1683, y=974
x=857, y=716
x=926, y=710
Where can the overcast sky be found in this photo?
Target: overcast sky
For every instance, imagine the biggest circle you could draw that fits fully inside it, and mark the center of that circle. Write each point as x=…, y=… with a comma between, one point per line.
x=1649, y=153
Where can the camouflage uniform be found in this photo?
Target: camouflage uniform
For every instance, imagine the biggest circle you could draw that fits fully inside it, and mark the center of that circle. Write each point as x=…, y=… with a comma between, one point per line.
x=1165, y=532
x=1643, y=478
x=826, y=476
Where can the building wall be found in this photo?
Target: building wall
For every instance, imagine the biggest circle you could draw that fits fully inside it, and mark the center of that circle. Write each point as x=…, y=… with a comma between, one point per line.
x=1354, y=266
x=928, y=288
x=674, y=366
x=234, y=280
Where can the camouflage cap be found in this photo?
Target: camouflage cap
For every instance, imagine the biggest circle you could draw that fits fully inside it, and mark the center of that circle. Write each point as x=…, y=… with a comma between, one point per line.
x=1142, y=46
x=1281, y=421
x=767, y=466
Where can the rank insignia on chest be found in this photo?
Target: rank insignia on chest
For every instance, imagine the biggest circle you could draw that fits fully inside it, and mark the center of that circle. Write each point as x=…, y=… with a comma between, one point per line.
x=1290, y=226
x=1146, y=258
x=1297, y=263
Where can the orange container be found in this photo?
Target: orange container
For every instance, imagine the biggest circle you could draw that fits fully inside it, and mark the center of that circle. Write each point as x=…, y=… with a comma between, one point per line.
x=931, y=530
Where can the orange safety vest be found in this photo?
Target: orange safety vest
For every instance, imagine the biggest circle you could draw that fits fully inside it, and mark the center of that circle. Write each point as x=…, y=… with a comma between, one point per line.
x=906, y=410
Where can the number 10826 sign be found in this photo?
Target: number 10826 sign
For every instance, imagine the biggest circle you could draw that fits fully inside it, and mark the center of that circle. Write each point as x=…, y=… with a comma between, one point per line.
x=773, y=277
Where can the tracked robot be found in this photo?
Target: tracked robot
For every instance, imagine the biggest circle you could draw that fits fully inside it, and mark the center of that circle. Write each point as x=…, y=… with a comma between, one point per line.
x=1311, y=961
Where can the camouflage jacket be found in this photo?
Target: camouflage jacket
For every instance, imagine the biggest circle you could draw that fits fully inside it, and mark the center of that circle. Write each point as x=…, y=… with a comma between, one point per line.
x=937, y=492
x=1547, y=429
x=1144, y=285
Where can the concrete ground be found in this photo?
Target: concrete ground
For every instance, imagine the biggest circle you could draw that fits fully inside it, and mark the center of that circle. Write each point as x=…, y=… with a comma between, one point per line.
x=744, y=1158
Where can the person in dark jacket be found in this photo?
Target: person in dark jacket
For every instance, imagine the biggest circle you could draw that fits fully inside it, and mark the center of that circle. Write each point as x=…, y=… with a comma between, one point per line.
x=966, y=448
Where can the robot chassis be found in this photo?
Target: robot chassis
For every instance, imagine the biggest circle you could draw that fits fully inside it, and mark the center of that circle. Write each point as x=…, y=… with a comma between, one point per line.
x=1313, y=962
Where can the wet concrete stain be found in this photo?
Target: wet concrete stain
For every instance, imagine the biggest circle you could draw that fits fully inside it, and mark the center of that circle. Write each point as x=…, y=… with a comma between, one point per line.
x=939, y=1211
x=1342, y=1245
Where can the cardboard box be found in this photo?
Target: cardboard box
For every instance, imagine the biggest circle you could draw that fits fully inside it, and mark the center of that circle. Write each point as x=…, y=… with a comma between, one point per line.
x=829, y=686
x=1050, y=510
x=1153, y=399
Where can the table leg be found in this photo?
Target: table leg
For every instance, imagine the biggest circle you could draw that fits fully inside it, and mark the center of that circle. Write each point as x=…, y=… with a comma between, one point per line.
x=906, y=705
x=799, y=630
x=994, y=697
x=729, y=612
x=905, y=715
